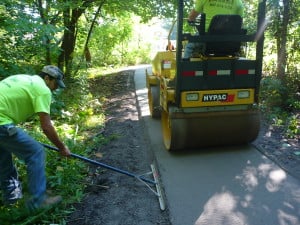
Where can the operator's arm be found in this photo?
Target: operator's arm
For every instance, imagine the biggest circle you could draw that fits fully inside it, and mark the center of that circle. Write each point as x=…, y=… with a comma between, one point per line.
x=51, y=133
x=193, y=15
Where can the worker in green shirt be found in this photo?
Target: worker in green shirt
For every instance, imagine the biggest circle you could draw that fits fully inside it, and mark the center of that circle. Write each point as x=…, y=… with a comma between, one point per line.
x=212, y=8
x=22, y=96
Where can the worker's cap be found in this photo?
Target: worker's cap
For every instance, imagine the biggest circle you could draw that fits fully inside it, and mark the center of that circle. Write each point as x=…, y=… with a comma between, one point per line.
x=55, y=72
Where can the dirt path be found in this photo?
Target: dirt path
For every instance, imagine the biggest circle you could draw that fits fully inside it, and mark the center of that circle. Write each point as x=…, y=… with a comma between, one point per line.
x=113, y=198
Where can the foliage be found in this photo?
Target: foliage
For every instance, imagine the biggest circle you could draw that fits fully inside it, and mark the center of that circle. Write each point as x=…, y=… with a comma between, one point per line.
x=282, y=37
x=293, y=126
x=34, y=33
x=272, y=92
x=116, y=42
x=280, y=89
x=24, y=39
x=280, y=104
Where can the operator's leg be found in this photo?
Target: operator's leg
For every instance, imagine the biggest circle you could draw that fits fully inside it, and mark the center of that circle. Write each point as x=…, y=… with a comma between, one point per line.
x=188, y=50
x=192, y=48
x=29, y=150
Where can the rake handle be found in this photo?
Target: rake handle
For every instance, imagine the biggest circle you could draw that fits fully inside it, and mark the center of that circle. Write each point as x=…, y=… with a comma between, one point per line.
x=103, y=165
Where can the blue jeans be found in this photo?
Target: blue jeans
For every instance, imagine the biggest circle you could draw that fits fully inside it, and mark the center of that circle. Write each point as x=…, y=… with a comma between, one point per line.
x=31, y=152
x=191, y=48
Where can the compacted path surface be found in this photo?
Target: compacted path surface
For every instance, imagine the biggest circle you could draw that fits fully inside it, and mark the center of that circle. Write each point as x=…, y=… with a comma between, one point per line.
x=222, y=186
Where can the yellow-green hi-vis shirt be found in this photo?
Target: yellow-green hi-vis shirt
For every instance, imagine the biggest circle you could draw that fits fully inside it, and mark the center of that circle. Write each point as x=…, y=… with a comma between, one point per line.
x=218, y=7
x=21, y=96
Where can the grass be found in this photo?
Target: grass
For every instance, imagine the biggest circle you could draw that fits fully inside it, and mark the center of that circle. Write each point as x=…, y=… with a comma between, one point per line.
x=280, y=103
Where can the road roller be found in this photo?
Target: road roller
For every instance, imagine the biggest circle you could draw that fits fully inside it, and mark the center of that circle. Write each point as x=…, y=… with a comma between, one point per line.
x=210, y=99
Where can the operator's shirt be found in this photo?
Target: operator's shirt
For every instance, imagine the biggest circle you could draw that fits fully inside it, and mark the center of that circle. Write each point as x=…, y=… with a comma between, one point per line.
x=215, y=7
x=21, y=96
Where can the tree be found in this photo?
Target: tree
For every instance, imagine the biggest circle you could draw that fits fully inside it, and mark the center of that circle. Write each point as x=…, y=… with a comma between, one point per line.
x=73, y=11
x=52, y=26
x=282, y=18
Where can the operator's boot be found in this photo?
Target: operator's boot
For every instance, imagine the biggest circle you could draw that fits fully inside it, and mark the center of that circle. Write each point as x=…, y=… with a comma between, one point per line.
x=11, y=191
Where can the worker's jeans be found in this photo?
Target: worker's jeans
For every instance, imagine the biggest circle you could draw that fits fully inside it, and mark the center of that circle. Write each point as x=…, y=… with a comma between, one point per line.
x=28, y=150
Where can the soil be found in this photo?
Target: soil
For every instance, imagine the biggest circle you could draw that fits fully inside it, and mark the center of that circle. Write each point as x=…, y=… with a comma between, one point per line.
x=116, y=199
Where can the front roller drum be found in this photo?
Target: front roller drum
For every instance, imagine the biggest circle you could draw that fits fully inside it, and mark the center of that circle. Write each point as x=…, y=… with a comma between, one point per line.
x=196, y=130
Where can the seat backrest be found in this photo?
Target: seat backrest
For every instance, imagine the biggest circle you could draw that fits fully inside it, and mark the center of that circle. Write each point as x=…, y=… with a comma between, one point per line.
x=224, y=25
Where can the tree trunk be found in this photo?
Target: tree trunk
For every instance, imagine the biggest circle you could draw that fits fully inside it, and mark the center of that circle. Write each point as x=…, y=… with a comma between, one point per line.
x=69, y=40
x=282, y=41
x=71, y=17
x=46, y=40
x=87, y=54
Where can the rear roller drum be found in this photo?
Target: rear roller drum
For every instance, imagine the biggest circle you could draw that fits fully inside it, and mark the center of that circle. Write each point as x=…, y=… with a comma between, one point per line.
x=153, y=97
x=196, y=130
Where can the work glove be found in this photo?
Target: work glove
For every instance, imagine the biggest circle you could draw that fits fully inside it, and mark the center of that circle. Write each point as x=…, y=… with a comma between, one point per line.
x=191, y=23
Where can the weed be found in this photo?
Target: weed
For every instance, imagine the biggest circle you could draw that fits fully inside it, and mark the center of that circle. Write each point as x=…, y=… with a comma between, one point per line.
x=293, y=127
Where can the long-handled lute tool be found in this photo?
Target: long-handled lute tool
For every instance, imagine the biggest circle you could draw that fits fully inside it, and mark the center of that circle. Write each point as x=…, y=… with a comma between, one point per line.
x=141, y=178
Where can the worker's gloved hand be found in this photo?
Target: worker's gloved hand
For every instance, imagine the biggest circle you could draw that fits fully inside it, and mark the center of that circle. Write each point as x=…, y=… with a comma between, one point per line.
x=65, y=151
x=191, y=23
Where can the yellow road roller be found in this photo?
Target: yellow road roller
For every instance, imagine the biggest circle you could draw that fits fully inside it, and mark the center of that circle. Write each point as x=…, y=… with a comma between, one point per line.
x=210, y=99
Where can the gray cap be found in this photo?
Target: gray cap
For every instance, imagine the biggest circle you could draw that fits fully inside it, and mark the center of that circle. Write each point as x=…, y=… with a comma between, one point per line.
x=56, y=73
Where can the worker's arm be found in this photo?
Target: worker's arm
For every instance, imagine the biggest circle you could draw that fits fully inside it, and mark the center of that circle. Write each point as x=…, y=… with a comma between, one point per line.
x=51, y=133
x=193, y=15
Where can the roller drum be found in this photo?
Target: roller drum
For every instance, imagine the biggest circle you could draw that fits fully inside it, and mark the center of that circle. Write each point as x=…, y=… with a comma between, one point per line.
x=196, y=130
